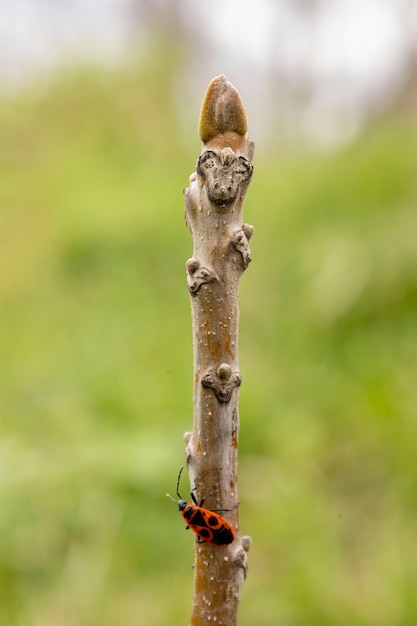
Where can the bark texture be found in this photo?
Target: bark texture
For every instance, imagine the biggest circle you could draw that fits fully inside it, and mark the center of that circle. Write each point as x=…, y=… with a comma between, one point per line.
x=214, y=201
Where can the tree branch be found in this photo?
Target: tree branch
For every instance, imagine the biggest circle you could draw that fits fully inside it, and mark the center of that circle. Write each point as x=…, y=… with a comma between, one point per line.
x=221, y=253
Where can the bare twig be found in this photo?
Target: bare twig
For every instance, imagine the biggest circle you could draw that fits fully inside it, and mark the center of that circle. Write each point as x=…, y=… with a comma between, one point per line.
x=221, y=253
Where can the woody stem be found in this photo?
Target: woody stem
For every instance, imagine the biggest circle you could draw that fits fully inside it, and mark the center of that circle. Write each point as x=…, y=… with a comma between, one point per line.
x=214, y=201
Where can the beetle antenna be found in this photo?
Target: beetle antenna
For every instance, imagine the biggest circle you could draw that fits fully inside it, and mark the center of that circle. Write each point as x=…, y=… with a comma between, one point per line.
x=178, y=483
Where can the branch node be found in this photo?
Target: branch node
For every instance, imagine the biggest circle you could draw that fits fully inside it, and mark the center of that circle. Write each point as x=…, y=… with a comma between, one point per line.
x=197, y=276
x=248, y=230
x=224, y=371
x=241, y=561
x=246, y=543
x=240, y=242
x=223, y=175
x=222, y=382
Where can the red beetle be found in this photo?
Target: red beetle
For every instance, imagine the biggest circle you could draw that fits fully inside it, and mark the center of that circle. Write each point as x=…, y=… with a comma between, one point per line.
x=207, y=525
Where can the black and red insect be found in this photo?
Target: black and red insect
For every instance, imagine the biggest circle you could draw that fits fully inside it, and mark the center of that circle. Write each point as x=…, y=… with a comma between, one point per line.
x=207, y=525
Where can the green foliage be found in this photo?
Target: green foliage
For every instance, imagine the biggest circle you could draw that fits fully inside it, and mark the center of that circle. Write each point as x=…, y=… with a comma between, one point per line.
x=96, y=367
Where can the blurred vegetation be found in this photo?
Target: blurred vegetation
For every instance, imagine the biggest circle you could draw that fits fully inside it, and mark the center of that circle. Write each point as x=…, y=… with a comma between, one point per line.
x=96, y=366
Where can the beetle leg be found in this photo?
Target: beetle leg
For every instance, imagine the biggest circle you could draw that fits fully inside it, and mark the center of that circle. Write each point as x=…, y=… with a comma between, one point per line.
x=205, y=498
x=193, y=498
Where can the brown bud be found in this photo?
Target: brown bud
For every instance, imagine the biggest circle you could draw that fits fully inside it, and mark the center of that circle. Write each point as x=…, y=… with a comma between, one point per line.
x=222, y=111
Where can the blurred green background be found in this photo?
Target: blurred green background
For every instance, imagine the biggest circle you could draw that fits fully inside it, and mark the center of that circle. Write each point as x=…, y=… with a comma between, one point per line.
x=96, y=364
